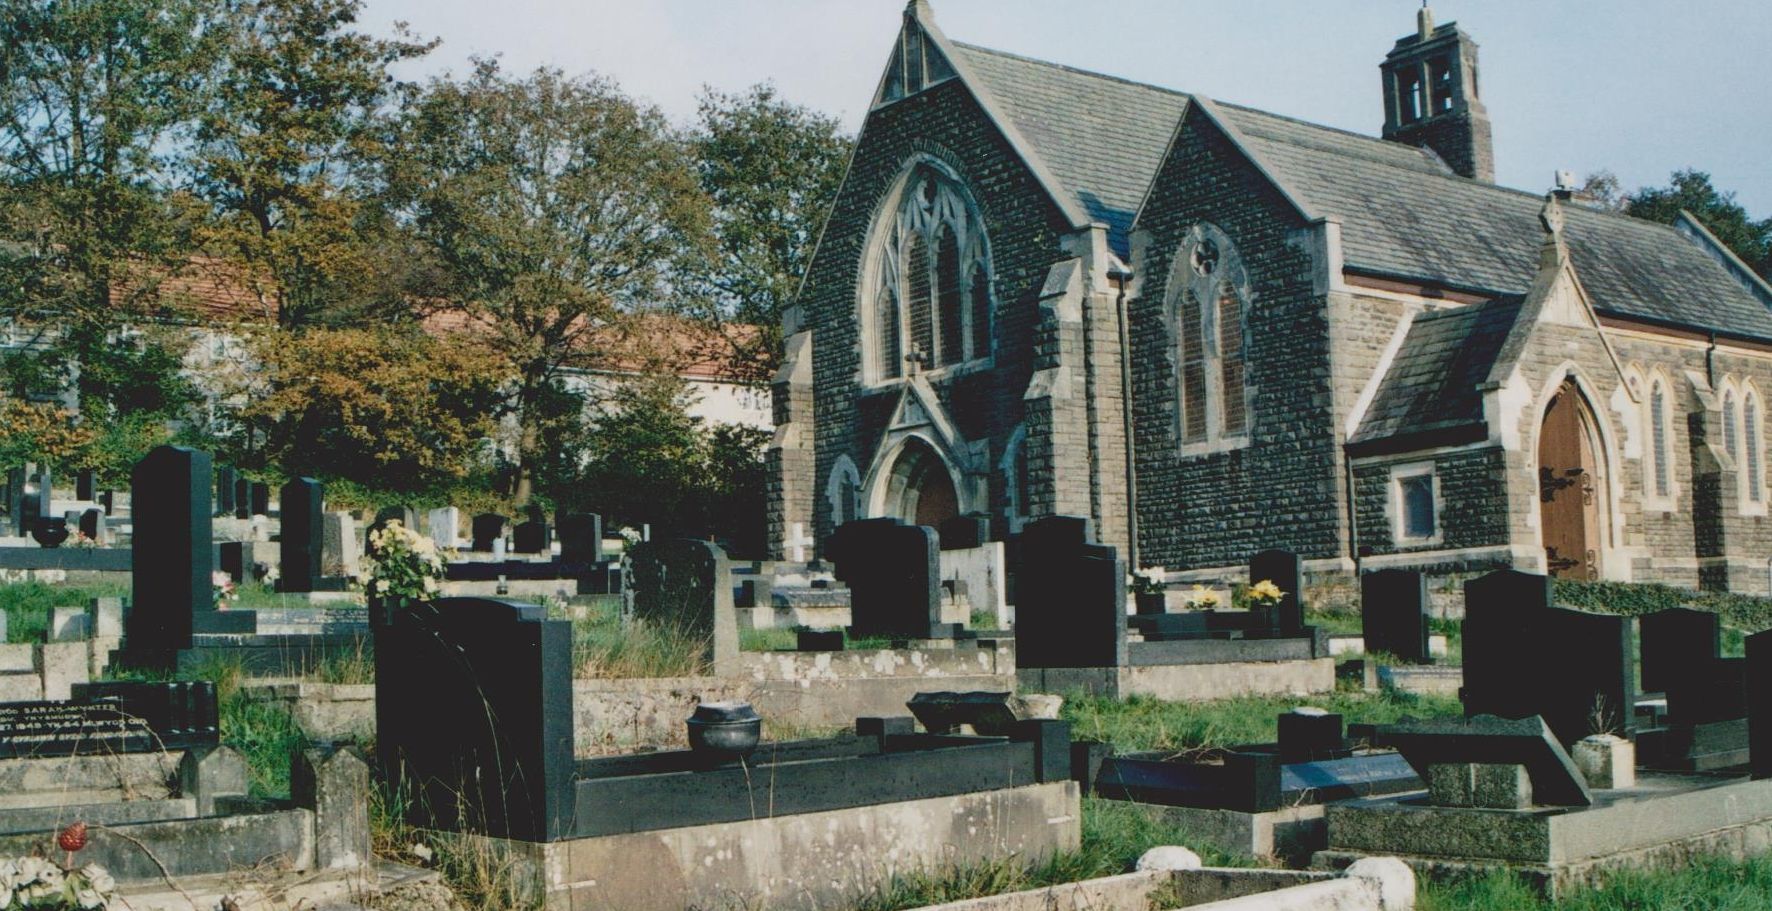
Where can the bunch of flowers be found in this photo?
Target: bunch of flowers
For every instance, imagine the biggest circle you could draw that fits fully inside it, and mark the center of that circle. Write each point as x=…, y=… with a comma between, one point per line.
x=1265, y=594
x=1201, y=598
x=1147, y=581
x=223, y=583
x=402, y=563
x=41, y=884
x=79, y=539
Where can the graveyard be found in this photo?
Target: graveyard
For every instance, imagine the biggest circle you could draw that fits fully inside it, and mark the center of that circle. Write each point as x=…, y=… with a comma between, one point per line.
x=608, y=703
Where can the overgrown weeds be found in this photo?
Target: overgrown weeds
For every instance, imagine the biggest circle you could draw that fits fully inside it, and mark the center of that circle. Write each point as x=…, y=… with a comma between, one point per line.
x=27, y=605
x=604, y=645
x=1705, y=884
x=1141, y=723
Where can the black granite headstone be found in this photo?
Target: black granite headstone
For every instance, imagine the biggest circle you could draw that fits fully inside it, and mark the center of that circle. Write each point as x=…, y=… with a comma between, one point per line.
x=1286, y=570
x=225, y=482
x=1759, y=703
x=893, y=571
x=487, y=527
x=83, y=485
x=1071, y=610
x=1308, y=736
x=1675, y=642
x=231, y=559
x=301, y=544
x=261, y=498
x=530, y=537
x=107, y=501
x=581, y=537
x=501, y=673
x=242, y=498
x=91, y=521
x=962, y=532
x=1393, y=614
x=1499, y=610
x=1556, y=782
x=111, y=718
x=1709, y=691
x=173, y=563
x=31, y=506
x=1583, y=679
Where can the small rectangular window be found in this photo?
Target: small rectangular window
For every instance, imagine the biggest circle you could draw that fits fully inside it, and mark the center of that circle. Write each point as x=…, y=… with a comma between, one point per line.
x=1415, y=495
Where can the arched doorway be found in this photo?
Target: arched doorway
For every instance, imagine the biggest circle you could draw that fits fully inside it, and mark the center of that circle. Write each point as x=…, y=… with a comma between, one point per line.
x=919, y=489
x=1570, y=488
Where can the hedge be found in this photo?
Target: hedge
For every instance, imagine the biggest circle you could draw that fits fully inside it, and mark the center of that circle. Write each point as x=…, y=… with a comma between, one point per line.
x=1746, y=612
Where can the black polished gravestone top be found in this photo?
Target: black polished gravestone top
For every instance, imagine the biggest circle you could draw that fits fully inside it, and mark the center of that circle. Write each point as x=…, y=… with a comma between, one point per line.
x=685, y=585
x=109, y=718
x=84, y=488
x=1674, y=642
x=226, y=482
x=259, y=498
x=1071, y=610
x=473, y=708
x=242, y=499
x=1286, y=570
x=173, y=560
x=1522, y=657
x=893, y=571
x=1393, y=614
x=487, y=528
x=1556, y=782
x=1759, y=703
x=301, y=544
x=91, y=522
x=15, y=501
x=581, y=537
x=530, y=537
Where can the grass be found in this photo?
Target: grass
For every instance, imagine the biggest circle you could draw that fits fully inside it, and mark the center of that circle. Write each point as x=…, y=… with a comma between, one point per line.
x=604, y=646
x=27, y=605
x=1115, y=833
x=1141, y=723
x=1706, y=884
x=787, y=640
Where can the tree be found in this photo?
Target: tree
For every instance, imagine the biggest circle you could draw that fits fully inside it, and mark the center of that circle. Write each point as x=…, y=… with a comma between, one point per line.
x=1691, y=191
x=388, y=408
x=290, y=118
x=555, y=208
x=772, y=169
x=91, y=94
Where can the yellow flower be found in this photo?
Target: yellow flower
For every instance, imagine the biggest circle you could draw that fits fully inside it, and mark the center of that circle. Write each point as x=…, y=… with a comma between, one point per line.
x=1201, y=598
x=1266, y=592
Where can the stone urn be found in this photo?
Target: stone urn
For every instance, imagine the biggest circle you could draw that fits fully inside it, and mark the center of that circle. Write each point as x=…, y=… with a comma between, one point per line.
x=50, y=532
x=724, y=731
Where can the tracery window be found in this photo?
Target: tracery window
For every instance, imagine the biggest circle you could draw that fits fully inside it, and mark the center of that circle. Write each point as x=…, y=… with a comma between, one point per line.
x=1659, y=433
x=930, y=276
x=1754, y=445
x=1208, y=305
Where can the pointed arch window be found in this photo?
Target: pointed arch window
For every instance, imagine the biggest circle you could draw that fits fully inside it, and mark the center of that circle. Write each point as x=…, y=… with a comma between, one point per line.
x=1754, y=446
x=1208, y=303
x=1730, y=423
x=1660, y=441
x=928, y=284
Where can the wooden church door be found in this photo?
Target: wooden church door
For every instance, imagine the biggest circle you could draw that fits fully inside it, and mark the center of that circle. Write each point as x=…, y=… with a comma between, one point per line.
x=1568, y=487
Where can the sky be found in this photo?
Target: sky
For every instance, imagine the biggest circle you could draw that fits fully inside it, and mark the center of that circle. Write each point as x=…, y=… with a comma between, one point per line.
x=1638, y=87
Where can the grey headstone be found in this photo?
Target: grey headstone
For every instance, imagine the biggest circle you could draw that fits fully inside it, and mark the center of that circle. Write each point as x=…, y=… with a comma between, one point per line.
x=335, y=784
x=207, y=774
x=338, y=545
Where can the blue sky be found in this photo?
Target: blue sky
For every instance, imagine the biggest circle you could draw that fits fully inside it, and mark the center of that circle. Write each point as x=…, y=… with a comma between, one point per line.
x=1640, y=87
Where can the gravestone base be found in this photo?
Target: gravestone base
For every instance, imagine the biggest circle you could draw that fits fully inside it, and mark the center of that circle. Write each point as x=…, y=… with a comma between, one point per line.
x=801, y=861
x=1666, y=819
x=1290, y=835
x=1188, y=682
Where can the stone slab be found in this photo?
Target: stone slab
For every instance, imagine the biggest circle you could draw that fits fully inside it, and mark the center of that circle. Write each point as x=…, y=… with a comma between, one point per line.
x=1488, y=740
x=25, y=820
x=281, y=839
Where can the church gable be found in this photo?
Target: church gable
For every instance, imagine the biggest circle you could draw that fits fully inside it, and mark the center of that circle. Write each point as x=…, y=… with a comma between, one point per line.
x=917, y=62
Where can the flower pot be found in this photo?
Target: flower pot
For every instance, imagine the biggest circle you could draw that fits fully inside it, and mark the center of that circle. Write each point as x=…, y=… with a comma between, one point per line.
x=1151, y=603
x=724, y=731
x=50, y=532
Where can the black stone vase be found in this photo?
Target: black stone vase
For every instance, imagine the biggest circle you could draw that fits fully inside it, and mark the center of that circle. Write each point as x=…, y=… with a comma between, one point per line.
x=383, y=610
x=51, y=532
x=1150, y=603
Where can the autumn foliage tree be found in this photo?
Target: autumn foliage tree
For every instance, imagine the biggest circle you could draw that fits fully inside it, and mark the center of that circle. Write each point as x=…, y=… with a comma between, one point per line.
x=385, y=408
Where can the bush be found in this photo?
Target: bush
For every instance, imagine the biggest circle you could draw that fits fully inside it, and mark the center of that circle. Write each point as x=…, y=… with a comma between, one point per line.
x=1747, y=612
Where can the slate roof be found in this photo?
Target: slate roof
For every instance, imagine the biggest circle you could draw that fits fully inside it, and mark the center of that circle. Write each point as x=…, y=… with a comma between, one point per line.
x=1431, y=387
x=1102, y=137
x=1403, y=212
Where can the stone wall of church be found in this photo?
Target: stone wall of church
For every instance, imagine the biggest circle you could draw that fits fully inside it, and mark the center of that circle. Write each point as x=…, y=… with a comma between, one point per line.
x=1283, y=489
x=1024, y=228
x=1476, y=525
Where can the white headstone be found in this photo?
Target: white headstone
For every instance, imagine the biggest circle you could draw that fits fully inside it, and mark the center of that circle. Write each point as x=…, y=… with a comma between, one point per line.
x=498, y=550
x=338, y=546
x=67, y=624
x=446, y=527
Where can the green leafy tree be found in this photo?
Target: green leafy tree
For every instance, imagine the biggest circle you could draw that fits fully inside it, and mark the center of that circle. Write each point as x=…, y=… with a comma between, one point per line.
x=554, y=208
x=772, y=169
x=1692, y=191
x=292, y=114
x=91, y=95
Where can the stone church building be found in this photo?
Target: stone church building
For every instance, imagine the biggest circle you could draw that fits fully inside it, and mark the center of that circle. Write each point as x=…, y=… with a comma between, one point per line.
x=1214, y=330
